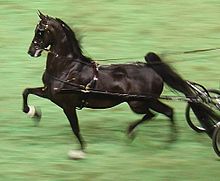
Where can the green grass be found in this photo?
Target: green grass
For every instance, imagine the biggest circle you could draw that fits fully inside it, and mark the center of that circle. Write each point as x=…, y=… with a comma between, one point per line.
x=111, y=29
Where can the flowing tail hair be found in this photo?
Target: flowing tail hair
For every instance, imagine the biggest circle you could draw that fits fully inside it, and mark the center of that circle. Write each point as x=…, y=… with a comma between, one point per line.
x=204, y=114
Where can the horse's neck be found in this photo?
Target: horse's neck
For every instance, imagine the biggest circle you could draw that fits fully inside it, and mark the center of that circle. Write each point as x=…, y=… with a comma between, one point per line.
x=58, y=55
x=63, y=60
x=62, y=49
x=74, y=72
x=58, y=66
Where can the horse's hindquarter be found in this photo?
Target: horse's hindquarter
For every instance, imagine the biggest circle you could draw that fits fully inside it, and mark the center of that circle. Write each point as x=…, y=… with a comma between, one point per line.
x=135, y=79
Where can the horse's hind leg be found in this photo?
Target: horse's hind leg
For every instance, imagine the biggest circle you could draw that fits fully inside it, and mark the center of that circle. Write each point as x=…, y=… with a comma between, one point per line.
x=143, y=108
x=148, y=115
x=162, y=108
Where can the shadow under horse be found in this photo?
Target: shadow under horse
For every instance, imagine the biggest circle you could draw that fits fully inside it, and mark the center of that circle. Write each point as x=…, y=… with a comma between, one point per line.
x=68, y=69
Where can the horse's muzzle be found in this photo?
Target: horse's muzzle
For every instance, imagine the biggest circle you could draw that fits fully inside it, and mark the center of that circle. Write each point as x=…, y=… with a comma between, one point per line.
x=34, y=52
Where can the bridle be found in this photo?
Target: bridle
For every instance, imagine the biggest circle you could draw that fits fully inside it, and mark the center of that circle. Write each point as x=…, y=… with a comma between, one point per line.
x=41, y=29
x=54, y=53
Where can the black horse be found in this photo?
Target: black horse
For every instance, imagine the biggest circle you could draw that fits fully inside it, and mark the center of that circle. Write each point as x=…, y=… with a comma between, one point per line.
x=68, y=69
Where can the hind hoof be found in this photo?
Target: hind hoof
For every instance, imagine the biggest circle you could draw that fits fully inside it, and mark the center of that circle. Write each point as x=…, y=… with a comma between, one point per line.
x=131, y=133
x=76, y=154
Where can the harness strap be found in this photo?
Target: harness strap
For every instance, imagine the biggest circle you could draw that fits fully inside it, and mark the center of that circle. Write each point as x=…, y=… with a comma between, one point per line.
x=92, y=83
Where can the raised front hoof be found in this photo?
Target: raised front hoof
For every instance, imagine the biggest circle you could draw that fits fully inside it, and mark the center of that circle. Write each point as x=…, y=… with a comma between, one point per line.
x=35, y=113
x=131, y=136
x=76, y=154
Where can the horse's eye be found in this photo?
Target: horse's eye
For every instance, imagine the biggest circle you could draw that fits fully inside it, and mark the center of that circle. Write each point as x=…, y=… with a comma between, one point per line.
x=40, y=32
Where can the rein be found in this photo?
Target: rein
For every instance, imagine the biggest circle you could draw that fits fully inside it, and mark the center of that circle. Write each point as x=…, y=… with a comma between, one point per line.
x=127, y=58
x=167, y=53
x=67, y=82
x=70, y=58
x=191, y=51
x=127, y=97
x=88, y=90
x=81, y=89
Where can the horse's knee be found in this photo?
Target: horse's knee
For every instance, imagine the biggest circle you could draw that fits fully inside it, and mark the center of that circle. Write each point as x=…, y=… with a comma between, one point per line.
x=25, y=92
x=149, y=115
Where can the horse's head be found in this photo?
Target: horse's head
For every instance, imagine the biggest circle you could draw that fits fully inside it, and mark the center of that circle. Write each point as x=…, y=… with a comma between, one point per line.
x=42, y=38
x=58, y=35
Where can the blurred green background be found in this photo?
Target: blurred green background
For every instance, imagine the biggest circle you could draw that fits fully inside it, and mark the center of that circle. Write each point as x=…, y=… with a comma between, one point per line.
x=111, y=29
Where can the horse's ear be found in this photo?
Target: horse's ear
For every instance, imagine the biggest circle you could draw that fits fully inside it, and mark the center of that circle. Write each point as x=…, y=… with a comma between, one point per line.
x=41, y=15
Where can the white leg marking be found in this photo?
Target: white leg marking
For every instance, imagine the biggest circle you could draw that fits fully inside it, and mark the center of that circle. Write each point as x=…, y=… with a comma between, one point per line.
x=31, y=111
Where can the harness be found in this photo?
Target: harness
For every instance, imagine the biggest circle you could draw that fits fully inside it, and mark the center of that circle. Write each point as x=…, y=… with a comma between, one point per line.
x=89, y=89
x=92, y=83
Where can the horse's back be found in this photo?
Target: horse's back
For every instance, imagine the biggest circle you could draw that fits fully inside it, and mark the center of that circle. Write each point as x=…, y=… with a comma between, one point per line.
x=135, y=78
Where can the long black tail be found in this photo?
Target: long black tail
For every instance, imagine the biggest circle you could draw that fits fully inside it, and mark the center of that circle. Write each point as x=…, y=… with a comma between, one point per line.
x=169, y=76
x=174, y=80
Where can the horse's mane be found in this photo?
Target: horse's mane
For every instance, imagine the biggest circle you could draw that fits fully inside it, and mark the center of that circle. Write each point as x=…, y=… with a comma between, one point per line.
x=76, y=46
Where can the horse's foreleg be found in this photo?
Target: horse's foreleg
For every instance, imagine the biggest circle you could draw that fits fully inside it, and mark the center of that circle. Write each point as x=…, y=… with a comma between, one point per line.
x=30, y=110
x=72, y=117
